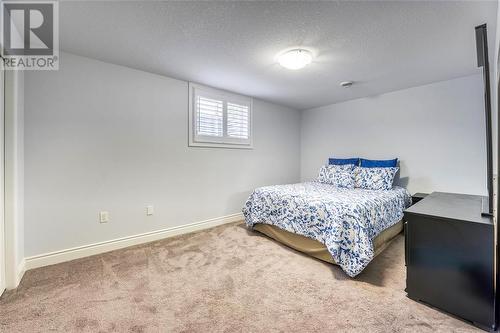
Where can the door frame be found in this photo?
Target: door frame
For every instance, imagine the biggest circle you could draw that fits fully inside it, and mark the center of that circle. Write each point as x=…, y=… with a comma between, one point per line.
x=3, y=248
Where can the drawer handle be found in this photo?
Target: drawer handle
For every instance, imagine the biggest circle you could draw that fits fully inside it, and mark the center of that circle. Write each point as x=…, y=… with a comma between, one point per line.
x=407, y=247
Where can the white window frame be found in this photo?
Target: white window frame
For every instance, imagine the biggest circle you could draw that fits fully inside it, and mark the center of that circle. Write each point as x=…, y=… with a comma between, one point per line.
x=227, y=97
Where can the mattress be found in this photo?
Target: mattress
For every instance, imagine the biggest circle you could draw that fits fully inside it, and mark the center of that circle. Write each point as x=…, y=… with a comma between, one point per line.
x=345, y=221
x=316, y=249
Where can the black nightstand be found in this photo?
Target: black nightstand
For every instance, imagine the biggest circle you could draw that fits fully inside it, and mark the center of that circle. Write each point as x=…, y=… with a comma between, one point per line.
x=449, y=252
x=417, y=197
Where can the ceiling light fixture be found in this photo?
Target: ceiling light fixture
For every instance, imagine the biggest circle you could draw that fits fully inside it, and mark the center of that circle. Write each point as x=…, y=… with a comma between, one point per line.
x=295, y=59
x=346, y=84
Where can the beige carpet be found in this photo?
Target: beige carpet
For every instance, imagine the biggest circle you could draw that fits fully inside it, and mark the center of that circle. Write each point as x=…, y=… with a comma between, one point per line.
x=225, y=279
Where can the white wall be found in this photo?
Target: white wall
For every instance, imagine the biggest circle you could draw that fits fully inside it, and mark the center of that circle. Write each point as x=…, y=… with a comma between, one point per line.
x=105, y=137
x=14, y=176
x=436, y=130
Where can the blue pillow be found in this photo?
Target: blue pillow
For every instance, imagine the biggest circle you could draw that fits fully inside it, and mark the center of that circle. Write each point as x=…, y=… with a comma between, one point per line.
x=379, y=163
x=343, y=161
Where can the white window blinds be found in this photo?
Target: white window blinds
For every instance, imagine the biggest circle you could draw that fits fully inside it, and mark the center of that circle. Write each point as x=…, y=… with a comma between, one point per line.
x=237, y=121
x=209, y=113
x=219, y=119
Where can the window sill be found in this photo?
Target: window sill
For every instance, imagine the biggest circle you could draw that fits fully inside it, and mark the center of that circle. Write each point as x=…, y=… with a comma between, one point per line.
x=220, y=145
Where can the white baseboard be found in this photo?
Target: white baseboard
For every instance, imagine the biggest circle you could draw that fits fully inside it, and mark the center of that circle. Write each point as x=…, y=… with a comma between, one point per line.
x=17, y=276
x=21, y=269
x=56, y=257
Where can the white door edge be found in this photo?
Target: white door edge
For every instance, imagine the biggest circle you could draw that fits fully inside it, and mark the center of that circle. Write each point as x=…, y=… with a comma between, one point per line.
x=2, y=194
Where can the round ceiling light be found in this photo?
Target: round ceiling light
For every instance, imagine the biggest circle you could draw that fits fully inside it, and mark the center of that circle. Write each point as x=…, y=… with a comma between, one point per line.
x=295, y=59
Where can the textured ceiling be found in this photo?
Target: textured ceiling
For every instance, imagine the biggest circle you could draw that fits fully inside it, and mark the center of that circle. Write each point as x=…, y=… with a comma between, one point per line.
x=381, y=46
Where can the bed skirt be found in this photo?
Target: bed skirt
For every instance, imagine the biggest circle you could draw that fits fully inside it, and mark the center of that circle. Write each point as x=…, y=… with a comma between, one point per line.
x=318, y=250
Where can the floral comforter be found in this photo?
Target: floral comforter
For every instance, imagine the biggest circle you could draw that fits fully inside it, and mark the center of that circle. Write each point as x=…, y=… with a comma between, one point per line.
x=345, y=220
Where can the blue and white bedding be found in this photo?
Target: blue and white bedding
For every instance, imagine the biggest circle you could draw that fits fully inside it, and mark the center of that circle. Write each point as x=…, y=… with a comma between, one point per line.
x=345, y=220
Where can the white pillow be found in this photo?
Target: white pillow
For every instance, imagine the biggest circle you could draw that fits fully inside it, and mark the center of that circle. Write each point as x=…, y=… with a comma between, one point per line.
x=374, y=178
x=337, y=175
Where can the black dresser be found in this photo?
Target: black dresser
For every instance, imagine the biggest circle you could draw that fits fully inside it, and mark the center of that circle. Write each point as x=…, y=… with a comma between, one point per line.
x=450, y=256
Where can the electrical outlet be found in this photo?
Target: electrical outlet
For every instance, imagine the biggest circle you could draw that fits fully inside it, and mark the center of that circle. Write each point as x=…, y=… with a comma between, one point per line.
x=150, y=210
x=104, y=217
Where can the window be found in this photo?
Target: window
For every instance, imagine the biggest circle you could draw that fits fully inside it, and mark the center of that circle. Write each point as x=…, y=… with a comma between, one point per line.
x=218, y=118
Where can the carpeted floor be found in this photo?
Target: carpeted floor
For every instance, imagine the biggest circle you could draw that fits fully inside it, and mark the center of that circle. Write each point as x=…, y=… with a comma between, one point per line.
x=225, y=279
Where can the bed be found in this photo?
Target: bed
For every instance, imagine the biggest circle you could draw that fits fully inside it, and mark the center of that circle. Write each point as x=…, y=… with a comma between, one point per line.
x=343, y=226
